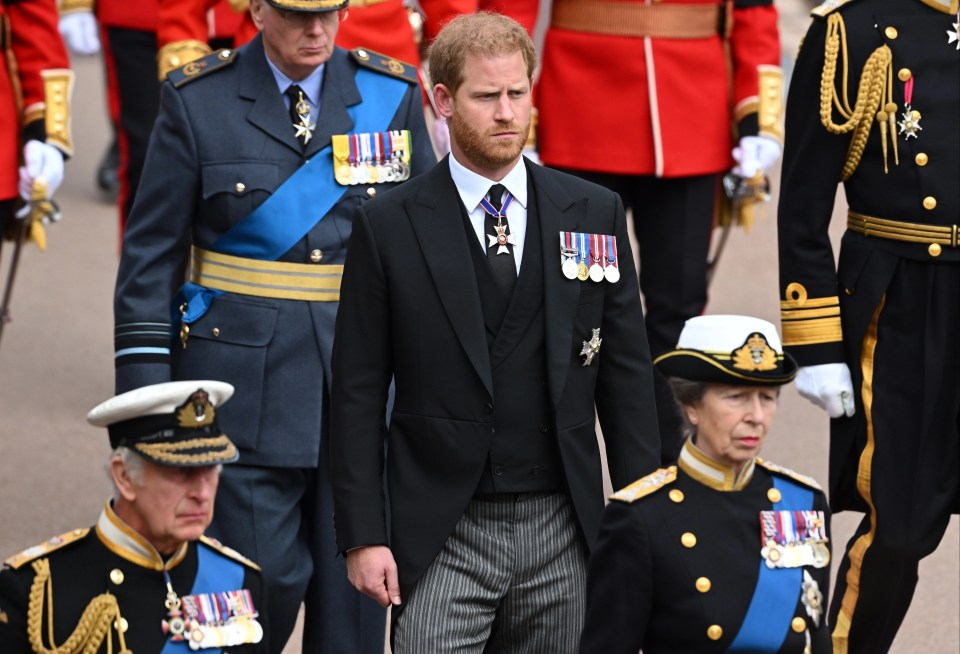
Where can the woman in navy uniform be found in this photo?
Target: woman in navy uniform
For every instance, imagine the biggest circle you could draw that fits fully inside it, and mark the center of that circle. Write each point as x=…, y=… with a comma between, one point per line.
x=144, y=578
x=722, y=552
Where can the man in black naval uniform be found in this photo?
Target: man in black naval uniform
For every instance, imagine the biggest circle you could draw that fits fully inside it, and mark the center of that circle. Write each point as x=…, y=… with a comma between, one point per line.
x=257, y=162
x=144, y=578
x=874, y=103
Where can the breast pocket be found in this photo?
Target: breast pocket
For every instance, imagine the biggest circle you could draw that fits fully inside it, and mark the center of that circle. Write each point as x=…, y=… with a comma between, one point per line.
x=235, y=188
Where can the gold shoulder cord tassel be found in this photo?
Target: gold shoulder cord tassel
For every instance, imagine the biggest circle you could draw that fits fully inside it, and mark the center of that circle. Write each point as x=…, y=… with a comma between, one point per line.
x=874, y=96
x=90, y=632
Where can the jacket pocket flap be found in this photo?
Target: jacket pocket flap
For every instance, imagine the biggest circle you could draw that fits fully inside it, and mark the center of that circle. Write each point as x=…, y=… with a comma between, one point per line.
x=239, y=177
x=236, y=321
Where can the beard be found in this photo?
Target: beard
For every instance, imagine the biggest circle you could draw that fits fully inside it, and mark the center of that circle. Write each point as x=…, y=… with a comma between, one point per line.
x=482, y=150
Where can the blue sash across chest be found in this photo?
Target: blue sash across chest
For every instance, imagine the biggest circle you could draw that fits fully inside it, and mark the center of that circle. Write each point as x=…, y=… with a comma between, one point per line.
x=302, y=200
x=775, y=596
x=215, y=573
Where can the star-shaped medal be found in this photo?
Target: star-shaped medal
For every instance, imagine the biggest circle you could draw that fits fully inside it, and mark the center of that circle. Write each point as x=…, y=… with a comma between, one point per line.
x=305, y=129
x=812, y=598
x=591, y=347
x=910, y=124
x=954, y=36
x=500, y=239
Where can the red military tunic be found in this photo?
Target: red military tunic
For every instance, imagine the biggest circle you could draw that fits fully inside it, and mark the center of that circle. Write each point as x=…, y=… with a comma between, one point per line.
x=640, y=105
x=33, y=49
x=187, y=26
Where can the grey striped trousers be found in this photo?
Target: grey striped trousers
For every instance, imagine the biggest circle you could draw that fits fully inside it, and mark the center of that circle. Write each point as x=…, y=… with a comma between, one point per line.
x=509, y=580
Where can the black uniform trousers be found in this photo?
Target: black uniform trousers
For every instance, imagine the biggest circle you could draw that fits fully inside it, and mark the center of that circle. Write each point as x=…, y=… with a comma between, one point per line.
x=900, y=449
x=133, y=92
x=673, y=222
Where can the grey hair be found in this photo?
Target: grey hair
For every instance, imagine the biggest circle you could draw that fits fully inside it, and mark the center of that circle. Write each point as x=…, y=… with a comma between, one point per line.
x=686, y=393
x=132, y=463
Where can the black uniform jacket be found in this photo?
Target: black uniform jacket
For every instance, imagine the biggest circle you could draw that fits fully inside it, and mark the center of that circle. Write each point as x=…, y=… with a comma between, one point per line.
x=678, y=559
x=222, y=145
x=108, y=558
x=826, y=307
x=411, y=308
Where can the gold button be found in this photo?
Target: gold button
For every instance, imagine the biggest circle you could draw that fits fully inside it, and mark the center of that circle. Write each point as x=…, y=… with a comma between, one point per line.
x=363, y=54
x=714, y=632
x=688, y=539
x=921, y=158
x=240, y=187
x=121, y=625
x=929, y=202
x=116, y=576
x=316, y=256
x=216, y=331
x=703, y=584
x=225, y=54
x=371, y=192
x=676, y=495
x=799, y=625
x=934, y=249
x=891, y=32
x=904, y=74
x=774, y=495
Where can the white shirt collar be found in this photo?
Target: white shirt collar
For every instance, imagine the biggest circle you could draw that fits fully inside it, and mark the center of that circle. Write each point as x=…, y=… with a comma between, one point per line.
x=474, y=187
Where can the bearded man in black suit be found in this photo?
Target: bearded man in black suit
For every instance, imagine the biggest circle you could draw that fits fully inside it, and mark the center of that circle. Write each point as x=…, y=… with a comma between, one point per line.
x=485, y=288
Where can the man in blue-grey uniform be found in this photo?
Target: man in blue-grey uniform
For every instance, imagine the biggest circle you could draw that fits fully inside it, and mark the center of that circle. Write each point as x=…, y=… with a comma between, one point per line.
x=257, y=162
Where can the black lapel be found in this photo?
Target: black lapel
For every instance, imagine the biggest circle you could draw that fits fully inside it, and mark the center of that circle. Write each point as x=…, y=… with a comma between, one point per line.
x=444, y=245
x=339, y=92
x=558, y=212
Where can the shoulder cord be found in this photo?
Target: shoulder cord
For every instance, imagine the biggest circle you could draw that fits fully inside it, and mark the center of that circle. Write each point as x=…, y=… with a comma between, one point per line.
x=90, y=632
x=875, y=86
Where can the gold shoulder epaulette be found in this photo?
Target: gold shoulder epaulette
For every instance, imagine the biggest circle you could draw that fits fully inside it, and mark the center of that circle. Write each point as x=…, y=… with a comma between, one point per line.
x=828, y=7
x=213, y=543
x=178, y=54
x=385, y=64
x=55, y=543
x=201, y=67
x=646, y=485
x=787, y=472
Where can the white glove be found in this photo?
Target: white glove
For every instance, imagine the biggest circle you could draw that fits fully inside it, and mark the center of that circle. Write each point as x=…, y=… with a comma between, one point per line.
x=829, y=387
x=755, y=154
x=79, y=32
x=41, y=161
x=441, y=137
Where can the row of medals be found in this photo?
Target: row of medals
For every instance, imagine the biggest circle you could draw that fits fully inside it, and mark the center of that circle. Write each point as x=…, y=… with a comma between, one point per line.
x=366, y=166
x=238, y=629
x=812, y=551
x=575, y=266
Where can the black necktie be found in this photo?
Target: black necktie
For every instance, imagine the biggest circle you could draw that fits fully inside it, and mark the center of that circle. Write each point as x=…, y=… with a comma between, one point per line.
x=502, y=265
x=298, y=122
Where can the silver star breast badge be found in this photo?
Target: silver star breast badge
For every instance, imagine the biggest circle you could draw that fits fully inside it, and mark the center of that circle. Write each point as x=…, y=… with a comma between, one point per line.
x=591, y=347
x=305, y=130
x=954, y=36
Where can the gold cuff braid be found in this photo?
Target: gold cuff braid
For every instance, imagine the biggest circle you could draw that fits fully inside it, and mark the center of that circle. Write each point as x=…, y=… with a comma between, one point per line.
x=90, y=632
x=770, y=110
x=57, y=89
x=71, y=6
x=179, y=53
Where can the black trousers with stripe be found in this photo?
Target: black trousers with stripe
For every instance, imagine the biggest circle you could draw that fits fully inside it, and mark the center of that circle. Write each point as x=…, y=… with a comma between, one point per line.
x=897, y=458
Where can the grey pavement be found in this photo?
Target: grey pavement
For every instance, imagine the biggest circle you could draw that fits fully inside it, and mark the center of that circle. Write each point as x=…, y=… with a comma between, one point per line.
x=56, y=362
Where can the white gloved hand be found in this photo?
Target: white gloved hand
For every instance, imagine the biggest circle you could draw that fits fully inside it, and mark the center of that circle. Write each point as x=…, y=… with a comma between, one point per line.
x=755, y=154
x=41, y=161
x=79, y=32
x=829, y=387
x=441, y=137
